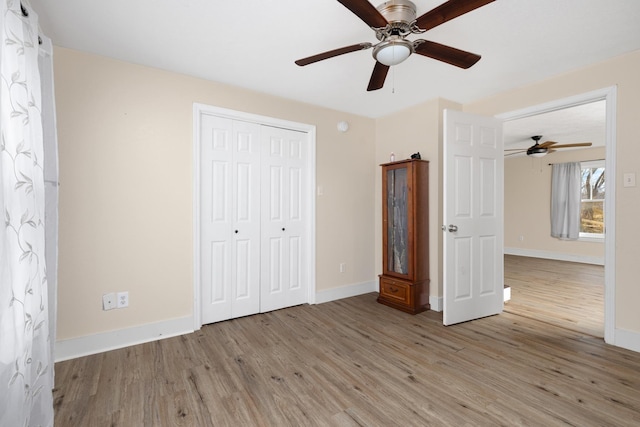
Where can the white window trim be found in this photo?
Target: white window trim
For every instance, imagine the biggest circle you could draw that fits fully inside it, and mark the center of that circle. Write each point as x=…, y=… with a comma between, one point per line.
x=591, y=237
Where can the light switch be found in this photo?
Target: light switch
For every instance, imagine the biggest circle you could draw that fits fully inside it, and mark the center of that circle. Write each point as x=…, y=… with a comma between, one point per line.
x=629, y=179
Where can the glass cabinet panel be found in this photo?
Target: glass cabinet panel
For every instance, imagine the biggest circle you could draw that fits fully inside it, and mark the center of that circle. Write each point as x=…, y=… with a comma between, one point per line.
x=404, y=282
x=397, y=225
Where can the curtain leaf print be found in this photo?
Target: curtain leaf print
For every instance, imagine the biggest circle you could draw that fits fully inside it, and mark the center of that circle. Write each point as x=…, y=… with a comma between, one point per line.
x=25, y=182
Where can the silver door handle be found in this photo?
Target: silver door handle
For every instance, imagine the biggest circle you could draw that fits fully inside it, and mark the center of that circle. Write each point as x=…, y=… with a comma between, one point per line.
x=453, y=228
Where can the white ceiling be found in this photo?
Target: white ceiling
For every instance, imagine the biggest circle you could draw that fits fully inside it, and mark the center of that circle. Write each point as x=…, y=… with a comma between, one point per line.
x=253, y=44
x=582, y=123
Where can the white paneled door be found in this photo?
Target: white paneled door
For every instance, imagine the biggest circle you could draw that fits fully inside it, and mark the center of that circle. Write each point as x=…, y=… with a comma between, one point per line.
x=230, y=218
x=253, y=218
x=283, y=218
x=473, y=214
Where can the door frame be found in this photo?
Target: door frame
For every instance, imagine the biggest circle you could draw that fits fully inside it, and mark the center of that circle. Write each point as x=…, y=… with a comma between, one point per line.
x=310, y=130
x=608, y=94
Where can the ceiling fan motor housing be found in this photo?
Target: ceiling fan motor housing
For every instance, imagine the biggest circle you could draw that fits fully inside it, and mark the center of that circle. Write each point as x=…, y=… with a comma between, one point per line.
x=398, y=10
x=400, y=14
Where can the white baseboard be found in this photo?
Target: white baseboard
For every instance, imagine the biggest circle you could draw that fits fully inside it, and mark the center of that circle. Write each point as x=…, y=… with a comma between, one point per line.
x=98, y=343
x=507, y=293
x=533, y=253
x=346, y=292
x=435, y=303
x=627, y=339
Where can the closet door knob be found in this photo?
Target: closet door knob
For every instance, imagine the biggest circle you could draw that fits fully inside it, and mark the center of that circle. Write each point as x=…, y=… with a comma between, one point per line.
x=282, y=228
x=236, y=231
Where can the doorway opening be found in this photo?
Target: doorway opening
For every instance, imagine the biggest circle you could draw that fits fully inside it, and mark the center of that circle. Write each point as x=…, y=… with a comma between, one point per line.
x=608, y=95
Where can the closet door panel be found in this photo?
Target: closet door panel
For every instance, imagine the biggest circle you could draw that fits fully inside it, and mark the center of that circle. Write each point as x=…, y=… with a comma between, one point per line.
x=246, y=219
x=243, y=278
x=273, y=284
x=219, y=272
x=295, y=257
x=275, y=196
x=216, y=218
x=297, y=224
x=283, y=227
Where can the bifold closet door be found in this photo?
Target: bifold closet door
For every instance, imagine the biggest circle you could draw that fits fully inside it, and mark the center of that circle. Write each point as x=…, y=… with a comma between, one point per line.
x=230, y=218
x=284, y=223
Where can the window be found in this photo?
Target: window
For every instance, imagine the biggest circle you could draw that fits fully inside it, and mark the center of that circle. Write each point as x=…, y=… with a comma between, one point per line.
x=592, y=203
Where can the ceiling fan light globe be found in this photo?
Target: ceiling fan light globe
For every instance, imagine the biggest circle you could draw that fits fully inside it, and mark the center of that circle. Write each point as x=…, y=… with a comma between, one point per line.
x=537, y=151
x=392, y=52
x=538, y=154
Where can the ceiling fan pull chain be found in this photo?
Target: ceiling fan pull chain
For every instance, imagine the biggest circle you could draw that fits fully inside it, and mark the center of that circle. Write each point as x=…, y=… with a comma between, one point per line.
x=393, y=78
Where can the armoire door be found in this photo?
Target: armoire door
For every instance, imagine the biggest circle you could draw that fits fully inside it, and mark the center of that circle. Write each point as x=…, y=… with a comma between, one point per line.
x=230, y=218
x=284, y=224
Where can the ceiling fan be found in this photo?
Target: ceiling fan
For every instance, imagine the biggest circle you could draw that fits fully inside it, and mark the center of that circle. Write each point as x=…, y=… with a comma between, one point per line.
x=392, y=22
x=540, y=150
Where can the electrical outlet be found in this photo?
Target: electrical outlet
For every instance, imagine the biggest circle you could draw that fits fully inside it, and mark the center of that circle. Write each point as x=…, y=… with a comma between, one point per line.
x=109, y=301
x=343, y=267
x=123, y=299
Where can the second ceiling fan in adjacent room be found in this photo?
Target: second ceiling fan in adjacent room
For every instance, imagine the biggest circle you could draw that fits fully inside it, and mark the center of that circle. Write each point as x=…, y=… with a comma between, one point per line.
x=540, y=150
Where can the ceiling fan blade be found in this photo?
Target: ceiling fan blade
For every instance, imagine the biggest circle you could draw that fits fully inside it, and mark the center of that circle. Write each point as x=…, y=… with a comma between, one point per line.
x=547, y=144
x=378, y=76
x=447, y=11
x=332, y=53
x=517, y=152
x=366, y=11
x=450, y=55
x=578, y=144
x=515, y=149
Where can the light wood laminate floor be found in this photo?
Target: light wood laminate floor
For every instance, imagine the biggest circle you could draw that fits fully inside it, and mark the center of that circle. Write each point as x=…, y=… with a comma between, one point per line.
x=565, y=294
x=355, y=362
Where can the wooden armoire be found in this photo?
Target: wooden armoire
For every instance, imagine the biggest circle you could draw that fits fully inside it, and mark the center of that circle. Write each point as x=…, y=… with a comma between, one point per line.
x=404, y=282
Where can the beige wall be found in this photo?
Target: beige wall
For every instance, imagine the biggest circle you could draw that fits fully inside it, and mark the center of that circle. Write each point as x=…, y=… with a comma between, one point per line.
x=125, y=145
x=623, y=72
x=527, y=205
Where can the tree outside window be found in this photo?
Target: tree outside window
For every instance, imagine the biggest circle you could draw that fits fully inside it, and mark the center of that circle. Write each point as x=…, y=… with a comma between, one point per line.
x=592, y=205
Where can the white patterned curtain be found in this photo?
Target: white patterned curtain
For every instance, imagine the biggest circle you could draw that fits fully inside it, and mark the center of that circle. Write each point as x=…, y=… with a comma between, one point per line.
x=26, y=364
x=565, y=201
